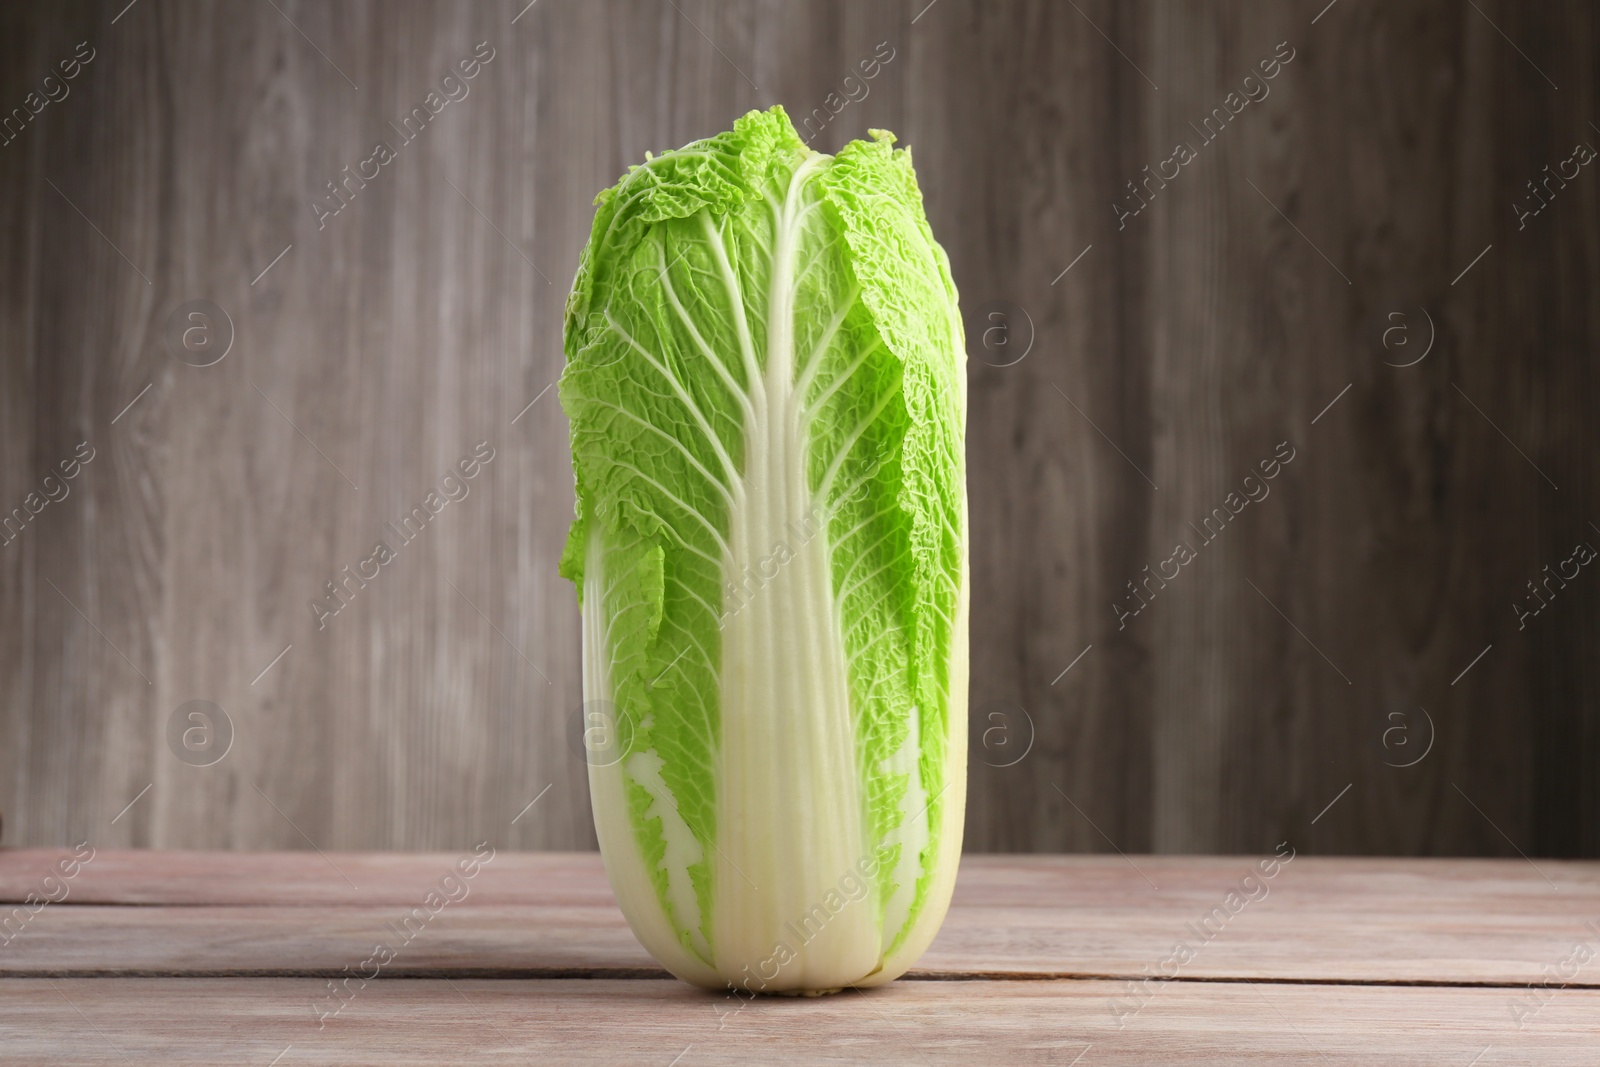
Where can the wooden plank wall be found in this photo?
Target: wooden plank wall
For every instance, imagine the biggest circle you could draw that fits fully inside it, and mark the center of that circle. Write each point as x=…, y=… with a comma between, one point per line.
x=1330, y=631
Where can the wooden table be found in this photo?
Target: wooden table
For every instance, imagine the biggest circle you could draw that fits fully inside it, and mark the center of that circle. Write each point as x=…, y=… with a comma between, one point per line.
x=203, y=958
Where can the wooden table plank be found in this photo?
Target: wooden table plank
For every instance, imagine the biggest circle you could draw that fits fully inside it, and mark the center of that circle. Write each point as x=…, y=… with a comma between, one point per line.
x=528, y=914
x=397, y=1023
x=95, y=940
x=160, y=876
x=535, y=963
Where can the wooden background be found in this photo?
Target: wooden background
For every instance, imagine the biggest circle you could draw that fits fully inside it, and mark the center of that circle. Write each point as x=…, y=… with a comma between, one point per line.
x=1177, y=352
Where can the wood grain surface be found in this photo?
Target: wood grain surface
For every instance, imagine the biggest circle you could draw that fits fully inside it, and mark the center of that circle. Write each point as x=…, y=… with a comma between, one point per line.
x=178, y=958
x=532, y=914
x=205, y=1021
x=1360, y=615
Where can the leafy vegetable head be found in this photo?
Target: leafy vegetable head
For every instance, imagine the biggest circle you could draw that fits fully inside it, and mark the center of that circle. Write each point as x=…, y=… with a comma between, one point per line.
x=766, y=384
